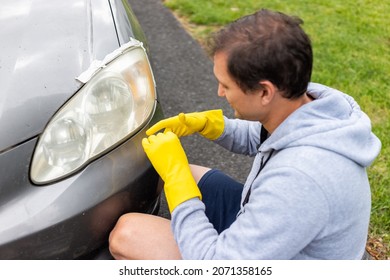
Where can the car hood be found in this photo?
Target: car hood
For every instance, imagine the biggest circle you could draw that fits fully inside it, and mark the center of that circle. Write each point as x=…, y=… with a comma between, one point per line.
x=44, y=46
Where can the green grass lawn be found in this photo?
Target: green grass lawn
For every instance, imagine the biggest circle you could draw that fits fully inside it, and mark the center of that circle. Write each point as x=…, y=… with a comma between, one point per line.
x=351, y=43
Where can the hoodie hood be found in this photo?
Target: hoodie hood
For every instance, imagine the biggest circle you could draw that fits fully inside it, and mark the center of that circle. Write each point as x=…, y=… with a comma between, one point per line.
x=333, y=121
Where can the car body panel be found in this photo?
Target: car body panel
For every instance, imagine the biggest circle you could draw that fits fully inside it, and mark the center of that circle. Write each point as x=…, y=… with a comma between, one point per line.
x=37, y=78
x=126, y=25
x=40, y=59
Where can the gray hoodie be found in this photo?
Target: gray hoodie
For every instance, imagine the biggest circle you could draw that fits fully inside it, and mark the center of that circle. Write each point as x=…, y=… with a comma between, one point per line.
x=311, y=200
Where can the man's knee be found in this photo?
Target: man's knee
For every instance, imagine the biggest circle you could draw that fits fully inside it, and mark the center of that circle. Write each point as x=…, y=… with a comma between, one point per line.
x=198, y=171
x=122, y=234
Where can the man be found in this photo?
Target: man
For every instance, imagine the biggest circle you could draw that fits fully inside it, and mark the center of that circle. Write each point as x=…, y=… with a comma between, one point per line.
x=307, y=195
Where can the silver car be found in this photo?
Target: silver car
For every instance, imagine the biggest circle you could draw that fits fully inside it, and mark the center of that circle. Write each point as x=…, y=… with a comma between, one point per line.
x=76, y=95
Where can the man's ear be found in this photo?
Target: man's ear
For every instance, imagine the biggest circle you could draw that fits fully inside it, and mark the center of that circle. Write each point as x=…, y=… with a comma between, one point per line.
x=267, y=92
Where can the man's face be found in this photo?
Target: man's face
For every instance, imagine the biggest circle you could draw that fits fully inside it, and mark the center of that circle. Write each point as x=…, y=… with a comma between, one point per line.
x=245, y=106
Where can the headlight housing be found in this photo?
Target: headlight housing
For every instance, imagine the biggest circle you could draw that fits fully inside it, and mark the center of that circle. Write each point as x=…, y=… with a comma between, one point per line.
x=117, y=99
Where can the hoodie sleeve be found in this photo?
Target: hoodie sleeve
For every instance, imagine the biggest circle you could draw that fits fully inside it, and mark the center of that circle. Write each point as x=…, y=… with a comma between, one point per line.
x=282, y=216
x=240, y=136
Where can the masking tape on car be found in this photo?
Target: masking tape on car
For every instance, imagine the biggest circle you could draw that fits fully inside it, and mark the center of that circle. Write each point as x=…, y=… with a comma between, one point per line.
x=97, y=65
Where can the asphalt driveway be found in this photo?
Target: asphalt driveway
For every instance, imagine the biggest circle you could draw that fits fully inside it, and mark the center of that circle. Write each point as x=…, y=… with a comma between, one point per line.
x=185, y=83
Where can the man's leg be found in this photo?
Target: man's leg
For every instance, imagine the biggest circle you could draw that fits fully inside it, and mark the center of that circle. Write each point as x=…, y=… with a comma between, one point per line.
x=198, y=171
x=221, y=195
x=143, y=236
x=139, y=236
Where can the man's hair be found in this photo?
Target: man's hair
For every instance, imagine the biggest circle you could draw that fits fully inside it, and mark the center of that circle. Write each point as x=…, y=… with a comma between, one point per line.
x=266, y=45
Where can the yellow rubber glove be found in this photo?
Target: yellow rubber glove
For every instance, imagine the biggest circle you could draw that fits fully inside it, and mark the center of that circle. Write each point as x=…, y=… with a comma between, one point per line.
x=210, y=124
x=170, y=161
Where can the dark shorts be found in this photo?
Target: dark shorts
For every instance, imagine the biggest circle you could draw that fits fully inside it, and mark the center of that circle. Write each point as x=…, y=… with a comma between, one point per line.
x=222, y=196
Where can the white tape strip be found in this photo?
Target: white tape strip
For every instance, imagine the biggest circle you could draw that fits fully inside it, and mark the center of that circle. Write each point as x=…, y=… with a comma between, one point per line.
x=97, y=65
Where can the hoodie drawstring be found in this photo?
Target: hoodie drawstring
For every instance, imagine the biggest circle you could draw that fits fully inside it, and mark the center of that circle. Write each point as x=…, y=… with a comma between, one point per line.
x=262, y=165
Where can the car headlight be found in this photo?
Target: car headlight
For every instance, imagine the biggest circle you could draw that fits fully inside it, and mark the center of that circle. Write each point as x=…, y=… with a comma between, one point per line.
x=116, y=100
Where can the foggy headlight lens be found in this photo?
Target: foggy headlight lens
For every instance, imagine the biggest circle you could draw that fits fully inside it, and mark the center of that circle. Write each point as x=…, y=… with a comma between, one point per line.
x=109, y=108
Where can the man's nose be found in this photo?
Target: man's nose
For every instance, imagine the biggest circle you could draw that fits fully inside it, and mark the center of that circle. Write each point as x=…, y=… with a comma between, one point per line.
x=221, y=91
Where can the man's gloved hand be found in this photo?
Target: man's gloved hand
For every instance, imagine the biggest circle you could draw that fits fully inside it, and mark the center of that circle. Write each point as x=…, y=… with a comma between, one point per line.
x=170, y=161
x=210, y=124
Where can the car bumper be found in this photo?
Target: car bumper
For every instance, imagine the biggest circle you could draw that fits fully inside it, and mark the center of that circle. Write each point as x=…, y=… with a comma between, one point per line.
x=73, y=217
